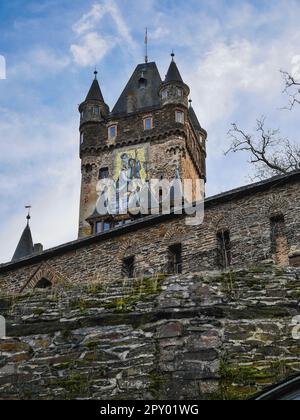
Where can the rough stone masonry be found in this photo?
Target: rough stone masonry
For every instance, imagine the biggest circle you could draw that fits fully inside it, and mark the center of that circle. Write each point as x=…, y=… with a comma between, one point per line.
x=208, y=335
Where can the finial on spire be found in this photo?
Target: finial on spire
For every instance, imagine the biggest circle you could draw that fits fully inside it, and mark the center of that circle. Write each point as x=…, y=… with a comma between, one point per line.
x=146, y=46
x=190, y=101
x=95, y=73
x=172, y=55
x=28, y=217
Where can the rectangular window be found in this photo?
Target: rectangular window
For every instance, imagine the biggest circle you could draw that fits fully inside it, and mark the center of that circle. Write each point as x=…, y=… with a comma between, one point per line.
x=179, y=117
x=106, y=227
x=179, y=92
x=128, y=268
x=81, y=138
x=148, y=123
x=98, y=228
x=112, y=132
x=97, y=110
x=165, y=94
x=103, y=173
x=175, y=259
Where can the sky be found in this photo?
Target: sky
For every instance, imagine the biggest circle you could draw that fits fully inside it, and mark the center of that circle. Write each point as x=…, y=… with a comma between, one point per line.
x=229, y=52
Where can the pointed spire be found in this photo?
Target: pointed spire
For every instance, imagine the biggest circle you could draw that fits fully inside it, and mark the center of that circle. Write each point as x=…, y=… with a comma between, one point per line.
x=95, y=93
x=173, y=74
x=25, y=246
x=194, y=118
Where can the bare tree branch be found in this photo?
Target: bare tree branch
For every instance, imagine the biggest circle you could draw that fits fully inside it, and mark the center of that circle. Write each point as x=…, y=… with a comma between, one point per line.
x=292, y=89
x=269, y=152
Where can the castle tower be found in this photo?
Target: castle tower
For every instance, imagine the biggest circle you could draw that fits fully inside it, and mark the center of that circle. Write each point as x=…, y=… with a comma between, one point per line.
x=151, y=133
x=94, y=113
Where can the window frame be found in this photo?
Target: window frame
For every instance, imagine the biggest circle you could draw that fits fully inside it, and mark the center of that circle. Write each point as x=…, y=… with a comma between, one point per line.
x=177, y=112
x=179, y=92
x=145, y=119
x=111, y=126
x=98, y=113
x=165, y=94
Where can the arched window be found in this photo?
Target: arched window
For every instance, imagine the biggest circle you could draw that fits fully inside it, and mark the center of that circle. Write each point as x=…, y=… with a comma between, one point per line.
x=43, y=283
x=143, y=83
x=128, y=267
x=224, y=249
x=175, y=259
x=279, y=242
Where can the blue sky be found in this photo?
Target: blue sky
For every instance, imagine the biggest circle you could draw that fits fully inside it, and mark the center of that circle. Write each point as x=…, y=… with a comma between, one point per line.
x=229, y=52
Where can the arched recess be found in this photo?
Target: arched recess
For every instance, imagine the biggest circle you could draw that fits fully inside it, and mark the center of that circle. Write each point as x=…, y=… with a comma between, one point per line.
x=42, y=272
x=176, y=234
x=126, y=249
x=43, y=284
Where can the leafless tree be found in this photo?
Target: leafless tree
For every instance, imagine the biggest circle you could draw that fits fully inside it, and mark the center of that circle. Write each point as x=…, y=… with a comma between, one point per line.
x=269, y=152
x=292, y=89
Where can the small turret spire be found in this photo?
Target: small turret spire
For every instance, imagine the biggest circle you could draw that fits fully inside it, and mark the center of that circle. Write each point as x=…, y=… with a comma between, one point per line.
x=173, y=74
x=28, y=217
x=25, y=246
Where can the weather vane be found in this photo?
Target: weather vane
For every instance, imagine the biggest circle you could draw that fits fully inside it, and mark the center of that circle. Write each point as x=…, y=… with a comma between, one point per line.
x=146, y=46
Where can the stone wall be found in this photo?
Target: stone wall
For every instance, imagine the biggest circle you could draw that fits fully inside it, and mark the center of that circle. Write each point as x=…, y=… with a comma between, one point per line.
x=203, y=336
x=248, y=218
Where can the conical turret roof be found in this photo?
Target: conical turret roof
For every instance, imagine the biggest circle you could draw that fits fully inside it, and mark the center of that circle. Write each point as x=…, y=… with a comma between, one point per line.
x=173, y=74
x=194, y=119
x=25, y=246
x=95, y=93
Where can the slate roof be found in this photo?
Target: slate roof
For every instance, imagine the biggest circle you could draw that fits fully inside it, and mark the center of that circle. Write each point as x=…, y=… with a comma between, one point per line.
x=146, y=96
x=25, y=245
x=173, y=74
x=194, y=119
x=95, y=93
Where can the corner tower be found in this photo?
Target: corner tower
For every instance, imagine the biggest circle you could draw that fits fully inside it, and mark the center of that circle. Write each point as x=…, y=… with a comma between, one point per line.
x=94, y=113
x=151, y=133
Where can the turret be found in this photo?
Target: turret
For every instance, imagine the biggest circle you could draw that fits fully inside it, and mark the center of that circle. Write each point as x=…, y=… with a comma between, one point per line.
x=173, y=90
x=94, y=113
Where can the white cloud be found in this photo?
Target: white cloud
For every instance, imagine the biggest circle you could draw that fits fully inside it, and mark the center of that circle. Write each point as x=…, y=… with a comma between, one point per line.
x=90, y=20
x=296, y=66
x=2, y=67
x=37, y=62
x=92, y=44
x=91, y=49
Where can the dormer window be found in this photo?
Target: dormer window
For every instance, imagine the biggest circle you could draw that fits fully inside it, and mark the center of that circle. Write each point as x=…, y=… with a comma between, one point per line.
x=112, y=132
x=148, y=123
x=179, y=117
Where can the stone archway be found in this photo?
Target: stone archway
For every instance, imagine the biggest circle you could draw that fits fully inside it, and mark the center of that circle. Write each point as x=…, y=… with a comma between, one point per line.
x=43, y=283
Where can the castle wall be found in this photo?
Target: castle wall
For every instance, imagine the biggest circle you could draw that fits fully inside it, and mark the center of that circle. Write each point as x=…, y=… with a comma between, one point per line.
x=196, y=336
x=247, y=219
